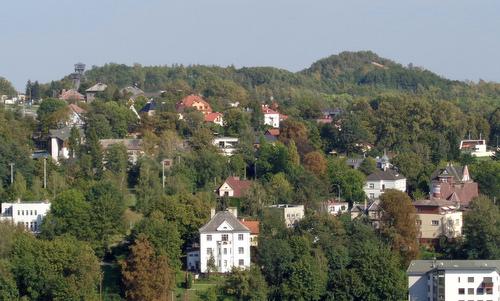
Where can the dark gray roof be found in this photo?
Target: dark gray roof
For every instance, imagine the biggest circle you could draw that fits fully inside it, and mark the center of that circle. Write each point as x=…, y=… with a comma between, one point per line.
x=434, y=202
x=150, y=106
x=387, y=175
x=456, y=172
x=63, y=133
x=130, y=144
x=219, y=218
x=424, y=266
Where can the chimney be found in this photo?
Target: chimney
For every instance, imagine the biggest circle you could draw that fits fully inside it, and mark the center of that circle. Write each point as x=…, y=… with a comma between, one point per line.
x=212, y=212
x=436, y=190
x=233, y=210
x=466, y=176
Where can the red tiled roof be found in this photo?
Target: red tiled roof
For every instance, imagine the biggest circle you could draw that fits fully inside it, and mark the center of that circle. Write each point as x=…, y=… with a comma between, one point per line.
x=76, y=109
x=239, y=186
x=252, y=225
x=190, y=100
x=71, y=94
x=267, y=110
x=273, y=132
x=210, y=117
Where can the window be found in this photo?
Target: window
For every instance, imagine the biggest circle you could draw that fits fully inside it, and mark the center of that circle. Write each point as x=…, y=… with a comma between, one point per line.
x=383, y=187
x=419, y=223
x=241, y=262
x=225, y=263
x=209, y=251
x=372, y=195
x=18, y=212
x=209, y=237
x=480, y=291
x=225, y=251
x=372, y=185
x=435, y=223
x=489, y=291
x=226, y=193
x=35, y=212
x=240, y=250
x=240, y=236
x=470, y=279
x=488, y=279
x=461, y=291
x=225, y=237
x=470, y=291
x=31, y=212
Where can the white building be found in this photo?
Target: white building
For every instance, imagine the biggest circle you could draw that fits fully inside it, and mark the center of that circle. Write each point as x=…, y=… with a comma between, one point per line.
x=334, y=207
x=59, y=142
x=477, y=148
x=377, y=182
x=29, y=215
x=225, y=241
x=193, y=260
x=290, y=213
x=458, y=280
x=226, y=145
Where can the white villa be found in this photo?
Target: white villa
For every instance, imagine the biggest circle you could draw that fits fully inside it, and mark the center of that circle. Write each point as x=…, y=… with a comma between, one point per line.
x=28, y=215
x=225, y=243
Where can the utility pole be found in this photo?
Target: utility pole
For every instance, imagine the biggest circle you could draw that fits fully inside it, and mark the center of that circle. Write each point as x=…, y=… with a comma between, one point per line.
x=45, y=173
x=163, y=173
x=11, y=173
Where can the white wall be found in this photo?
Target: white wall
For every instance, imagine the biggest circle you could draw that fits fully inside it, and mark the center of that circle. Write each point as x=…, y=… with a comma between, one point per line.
x=225, y=261
x=453, y=283
x=226, y=188
x=378, y=185
x=30, y=215
x=272, y=120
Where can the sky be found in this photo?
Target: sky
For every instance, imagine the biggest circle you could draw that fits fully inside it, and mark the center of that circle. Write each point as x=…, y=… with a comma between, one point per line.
x=42, y=39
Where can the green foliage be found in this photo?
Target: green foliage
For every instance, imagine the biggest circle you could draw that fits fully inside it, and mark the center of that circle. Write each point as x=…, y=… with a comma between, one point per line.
x=368, y=166
x=6, y=87
x=481, y=230
x=163, y=235
x=51, y=112
x=62, y=269
x=487, y=175
x=247, y=285
x=351, y=181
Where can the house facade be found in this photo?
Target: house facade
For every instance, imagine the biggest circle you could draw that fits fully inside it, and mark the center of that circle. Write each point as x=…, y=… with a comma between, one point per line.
x=291, y=214
x=254, y=227
x=476, y=148
x=377, y=182
x=226, y=145
x=92, y=92
x=458, y=280
x=453, y=183
x=194, y=101
x=59, y=142
x=335, y=207
x=214, y=117
x=437, y=218
x=29, y=215
x=234, y=187
x=224, y=243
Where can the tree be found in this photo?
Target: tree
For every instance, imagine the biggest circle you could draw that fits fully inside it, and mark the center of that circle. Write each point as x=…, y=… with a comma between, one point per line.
x=95, y=152
x=487, y=175
x=69, y=214
x=74, y=143
x=148, y=188
x=368, y=166
x=481, y=230
x=19, y=186
x=398, y=224
x=51, y=112
x=247, y=285
x=117, y=161
x=316, y=163
x=279, y=188
x=350, y=181
x=62, y=269
x=146, y=275
x=163, y=235
x=8, y=286
x=106, y=217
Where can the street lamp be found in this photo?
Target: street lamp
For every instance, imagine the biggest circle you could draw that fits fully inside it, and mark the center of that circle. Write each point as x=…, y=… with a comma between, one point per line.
x=338, y=189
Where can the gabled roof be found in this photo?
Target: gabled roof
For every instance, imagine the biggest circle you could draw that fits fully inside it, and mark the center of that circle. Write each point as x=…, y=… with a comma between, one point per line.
x=149, y=106
x=424, y=266
x=189, y=100
x=99, y=87
x=252, y=225
x=454, y=198
x=71, y=94
x=267, y=110
x=63, y=133
x=434, y=202
x=210, y=117
x=224, y=217
x=273, y=132
x=76, y=109
x=132, y=90
x=130, y=144
x=385, y=175
x=239, y=186
x=450, y=171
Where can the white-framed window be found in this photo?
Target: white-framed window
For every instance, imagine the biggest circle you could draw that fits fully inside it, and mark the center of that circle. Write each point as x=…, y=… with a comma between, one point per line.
x=225, y=251
x=435, y=223
x=209, y=237
x=372, y=185
x=225, y=237
x=241, y=250
x=225, y=263
x=240, y=236
x=372, y=195
x=241, y=262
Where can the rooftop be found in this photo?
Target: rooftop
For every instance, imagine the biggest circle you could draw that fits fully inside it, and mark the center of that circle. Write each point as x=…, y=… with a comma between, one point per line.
x=221, y=217
x=424, y=266
x=386, y=175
